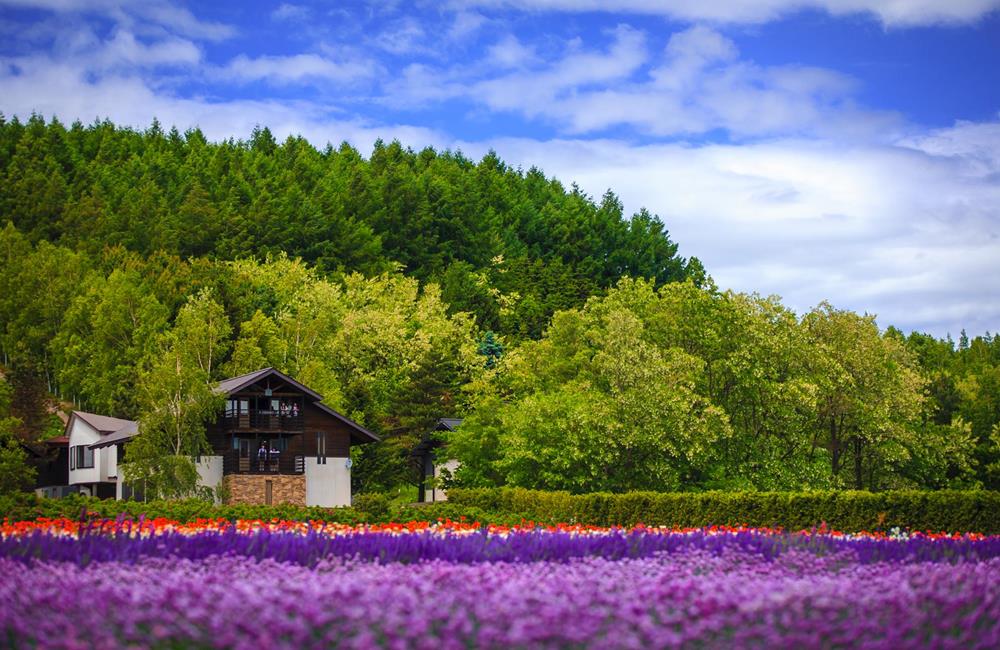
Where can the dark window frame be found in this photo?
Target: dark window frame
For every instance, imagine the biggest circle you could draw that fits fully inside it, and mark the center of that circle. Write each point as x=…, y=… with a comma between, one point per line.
x=78, y=457
x=321, y=447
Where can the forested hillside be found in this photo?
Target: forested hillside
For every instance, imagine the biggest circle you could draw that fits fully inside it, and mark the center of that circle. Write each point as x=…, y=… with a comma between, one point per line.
x=405, y=286
x=508, y=245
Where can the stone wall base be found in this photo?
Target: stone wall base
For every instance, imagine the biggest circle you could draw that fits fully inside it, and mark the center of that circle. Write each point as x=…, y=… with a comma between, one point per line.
x=252, y=489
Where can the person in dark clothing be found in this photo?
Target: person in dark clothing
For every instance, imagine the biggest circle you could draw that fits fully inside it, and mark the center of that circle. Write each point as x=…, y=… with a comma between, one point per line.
x=262, y=454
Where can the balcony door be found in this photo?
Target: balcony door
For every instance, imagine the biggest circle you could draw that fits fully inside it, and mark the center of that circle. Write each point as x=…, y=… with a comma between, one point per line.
x=243, y=446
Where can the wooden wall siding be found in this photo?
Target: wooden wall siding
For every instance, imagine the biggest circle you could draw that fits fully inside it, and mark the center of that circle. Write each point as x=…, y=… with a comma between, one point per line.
x=252, y=488
x=338, y=435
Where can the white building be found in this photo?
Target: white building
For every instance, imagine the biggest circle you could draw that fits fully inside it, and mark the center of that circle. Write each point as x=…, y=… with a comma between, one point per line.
x=434, y=468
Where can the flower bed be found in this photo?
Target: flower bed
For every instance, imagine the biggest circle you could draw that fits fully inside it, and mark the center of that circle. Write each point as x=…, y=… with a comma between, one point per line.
x=457, y=584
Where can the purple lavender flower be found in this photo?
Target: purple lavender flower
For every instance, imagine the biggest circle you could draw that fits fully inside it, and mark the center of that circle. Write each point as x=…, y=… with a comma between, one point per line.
x=689, y=599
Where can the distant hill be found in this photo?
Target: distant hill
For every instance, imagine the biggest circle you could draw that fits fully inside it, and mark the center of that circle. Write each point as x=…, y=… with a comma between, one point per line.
x=483, y=230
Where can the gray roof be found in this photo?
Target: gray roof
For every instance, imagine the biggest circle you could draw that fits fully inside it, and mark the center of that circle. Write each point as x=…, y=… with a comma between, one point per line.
x=125, y=433
x=103, y=423
x=428, y=441
x=234, y=384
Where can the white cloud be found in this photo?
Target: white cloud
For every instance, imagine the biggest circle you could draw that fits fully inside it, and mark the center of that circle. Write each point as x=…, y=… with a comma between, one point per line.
x=135, y=13
x=406, y=36
x=542, y=92
x=901, y=13
x=295, y=69
x=67, y=90
x=697, y=83
x=977, y=144
x=125, y=49
x=466, y=24
x=912, y=235
x=509, y=52
x=290, y=12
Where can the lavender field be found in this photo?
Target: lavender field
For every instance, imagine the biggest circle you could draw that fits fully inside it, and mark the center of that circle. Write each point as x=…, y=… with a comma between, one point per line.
x=266, y=587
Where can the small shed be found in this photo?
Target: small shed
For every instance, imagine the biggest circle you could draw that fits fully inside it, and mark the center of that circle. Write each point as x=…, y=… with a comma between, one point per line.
x=426, y=454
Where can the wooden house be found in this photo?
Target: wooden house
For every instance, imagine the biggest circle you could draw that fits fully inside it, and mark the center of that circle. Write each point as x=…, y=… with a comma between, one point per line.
x=273, y=442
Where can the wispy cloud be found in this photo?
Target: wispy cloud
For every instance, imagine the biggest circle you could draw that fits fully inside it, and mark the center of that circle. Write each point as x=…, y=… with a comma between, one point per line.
x=510, y=52
x=910, y=234
x=296, y=69
x=158, y=12
x=902, y=13
x=405, y=36
x=697, y=83
x=69, y=92
x=465, y=24
x=287, y=11
x=125, y=49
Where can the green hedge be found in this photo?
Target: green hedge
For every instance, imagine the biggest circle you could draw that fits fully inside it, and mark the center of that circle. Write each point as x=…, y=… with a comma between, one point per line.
x=372, y=508
x=949, y=510
x=28, y=506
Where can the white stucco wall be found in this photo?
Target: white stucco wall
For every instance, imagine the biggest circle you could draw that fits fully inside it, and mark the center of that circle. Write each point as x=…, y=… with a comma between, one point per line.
x=210, y=472
x=328, y=485
x=437, y=493
x=82, y=433
x=109, y=461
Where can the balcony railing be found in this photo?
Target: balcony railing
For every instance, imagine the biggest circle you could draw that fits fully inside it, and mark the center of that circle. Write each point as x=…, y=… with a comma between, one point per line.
x=262, y=420
x=233, y=463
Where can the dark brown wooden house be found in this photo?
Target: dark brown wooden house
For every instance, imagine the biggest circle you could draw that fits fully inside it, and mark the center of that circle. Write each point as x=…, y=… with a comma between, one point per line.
x=273, y=442
x=278, y=443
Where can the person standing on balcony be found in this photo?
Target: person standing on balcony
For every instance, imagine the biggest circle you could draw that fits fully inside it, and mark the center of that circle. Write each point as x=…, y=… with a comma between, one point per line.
x=262, y=454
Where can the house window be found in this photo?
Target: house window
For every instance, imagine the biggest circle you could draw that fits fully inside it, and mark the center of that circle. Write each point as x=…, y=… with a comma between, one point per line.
x=285, y=407
x=82, y=457
x=321, y=448
x=237, y=407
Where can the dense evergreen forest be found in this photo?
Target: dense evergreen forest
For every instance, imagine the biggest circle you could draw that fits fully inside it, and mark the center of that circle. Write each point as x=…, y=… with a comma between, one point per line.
x=489, y=235
x=406, y=286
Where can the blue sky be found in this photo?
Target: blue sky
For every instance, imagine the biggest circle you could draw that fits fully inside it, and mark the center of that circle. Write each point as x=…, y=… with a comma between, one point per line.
x=841, y=150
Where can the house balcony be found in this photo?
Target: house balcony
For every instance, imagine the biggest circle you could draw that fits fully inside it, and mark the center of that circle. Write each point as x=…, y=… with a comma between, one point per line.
x=274, y=463
x=263, y=420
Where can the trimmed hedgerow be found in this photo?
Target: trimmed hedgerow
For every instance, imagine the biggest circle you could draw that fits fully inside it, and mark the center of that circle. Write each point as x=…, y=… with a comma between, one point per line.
x=28, y=506
x=372, y=508
x=947, y=510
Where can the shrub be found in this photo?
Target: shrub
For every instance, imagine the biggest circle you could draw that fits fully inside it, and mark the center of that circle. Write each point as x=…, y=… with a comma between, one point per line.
x=376, y=504
x=28, y=506
x=948, y=510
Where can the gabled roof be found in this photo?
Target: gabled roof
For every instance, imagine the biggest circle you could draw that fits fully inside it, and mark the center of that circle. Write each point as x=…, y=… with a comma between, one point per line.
x=448, y=423
x=104, y=424
x=234, y=384
x=428, y=441
x=126, y=432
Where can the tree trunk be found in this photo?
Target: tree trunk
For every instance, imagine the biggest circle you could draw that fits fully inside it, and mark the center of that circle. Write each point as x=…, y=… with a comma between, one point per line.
x=858, y=476
x=834, y=447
